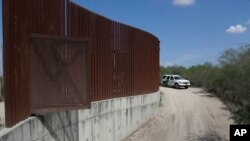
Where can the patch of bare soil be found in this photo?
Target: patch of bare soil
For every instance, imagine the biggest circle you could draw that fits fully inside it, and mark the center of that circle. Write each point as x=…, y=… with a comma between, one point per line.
x=186, y=115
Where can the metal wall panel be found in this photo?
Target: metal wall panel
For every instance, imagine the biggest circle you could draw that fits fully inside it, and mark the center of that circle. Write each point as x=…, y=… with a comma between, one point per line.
x=124, y=61
x=59, y=73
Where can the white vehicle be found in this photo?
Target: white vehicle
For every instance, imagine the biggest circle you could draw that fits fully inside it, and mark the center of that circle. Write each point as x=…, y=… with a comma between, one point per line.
x=176, y=81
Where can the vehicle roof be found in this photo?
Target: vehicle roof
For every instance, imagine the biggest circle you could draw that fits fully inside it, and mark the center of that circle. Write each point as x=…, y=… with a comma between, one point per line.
x=171, y=75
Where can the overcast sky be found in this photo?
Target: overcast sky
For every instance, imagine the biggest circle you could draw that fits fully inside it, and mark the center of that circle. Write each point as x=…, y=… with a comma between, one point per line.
x=191, y=31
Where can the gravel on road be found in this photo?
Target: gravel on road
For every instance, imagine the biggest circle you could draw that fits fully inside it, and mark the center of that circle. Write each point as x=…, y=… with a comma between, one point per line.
x=186, y=115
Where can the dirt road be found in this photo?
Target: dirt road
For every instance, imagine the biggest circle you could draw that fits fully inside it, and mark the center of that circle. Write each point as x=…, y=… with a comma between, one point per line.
x=186, y=115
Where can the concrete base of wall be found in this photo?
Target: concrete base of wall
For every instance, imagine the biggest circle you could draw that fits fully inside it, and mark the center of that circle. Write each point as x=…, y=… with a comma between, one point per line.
x=107, y=120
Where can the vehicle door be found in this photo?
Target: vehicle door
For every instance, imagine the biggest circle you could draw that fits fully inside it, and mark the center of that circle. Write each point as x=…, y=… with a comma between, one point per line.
x=163, y=79
x=167, y=80
x=171, y=81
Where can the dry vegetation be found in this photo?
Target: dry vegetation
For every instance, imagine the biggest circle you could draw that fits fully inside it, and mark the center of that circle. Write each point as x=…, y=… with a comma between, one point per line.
x=230, y=80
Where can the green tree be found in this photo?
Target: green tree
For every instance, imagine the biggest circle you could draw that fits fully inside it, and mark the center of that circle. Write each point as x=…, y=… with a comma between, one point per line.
x=230, y=80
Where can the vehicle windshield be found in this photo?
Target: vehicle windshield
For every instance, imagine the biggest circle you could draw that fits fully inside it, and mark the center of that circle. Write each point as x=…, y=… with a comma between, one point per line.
x=178, y=77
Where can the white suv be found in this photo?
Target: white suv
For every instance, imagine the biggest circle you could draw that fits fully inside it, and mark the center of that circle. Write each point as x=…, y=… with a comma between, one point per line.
x=174, y=80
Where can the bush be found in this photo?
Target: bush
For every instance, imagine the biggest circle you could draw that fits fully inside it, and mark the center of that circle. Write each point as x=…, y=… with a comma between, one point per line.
x=230, y=80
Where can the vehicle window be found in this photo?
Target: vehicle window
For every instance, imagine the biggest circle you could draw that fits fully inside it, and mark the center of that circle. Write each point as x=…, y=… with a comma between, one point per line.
x=171, y=78
x=163, y=77
x=177, y=77
x=168, y=77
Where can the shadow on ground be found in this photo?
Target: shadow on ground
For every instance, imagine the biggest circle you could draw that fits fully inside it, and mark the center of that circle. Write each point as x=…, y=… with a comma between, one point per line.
x=206, y=136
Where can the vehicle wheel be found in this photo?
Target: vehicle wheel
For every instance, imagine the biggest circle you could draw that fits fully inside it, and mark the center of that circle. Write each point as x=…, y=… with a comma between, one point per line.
x=176, y=85
x=186, y=87
x=165, y=84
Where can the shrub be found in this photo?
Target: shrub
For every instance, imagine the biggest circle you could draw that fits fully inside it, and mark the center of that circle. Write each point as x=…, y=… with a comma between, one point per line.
x=230, y=80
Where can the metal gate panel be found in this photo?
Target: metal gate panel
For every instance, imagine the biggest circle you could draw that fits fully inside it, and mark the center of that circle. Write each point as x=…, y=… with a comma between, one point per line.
x=59, y=73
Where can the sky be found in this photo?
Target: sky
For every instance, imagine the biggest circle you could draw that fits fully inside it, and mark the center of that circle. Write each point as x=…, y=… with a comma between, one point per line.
x=190, y=31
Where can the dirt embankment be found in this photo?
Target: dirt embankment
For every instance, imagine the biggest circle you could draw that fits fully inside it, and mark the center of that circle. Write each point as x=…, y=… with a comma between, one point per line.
x=186, y=115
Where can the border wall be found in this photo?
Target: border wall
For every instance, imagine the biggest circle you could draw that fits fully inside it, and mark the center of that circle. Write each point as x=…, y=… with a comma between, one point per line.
x=122, y=60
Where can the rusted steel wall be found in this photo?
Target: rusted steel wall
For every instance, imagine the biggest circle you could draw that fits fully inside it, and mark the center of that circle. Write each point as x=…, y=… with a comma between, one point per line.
x=124, y=61
x=59, y=73
x=20, y=20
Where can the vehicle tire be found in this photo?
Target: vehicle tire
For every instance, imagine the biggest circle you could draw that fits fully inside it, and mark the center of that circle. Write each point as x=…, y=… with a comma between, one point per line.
x=186, y=87
x=176, y=86
x=165, y=84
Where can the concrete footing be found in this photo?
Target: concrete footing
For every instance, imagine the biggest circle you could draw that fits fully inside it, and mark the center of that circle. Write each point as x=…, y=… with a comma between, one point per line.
x=107, y=120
